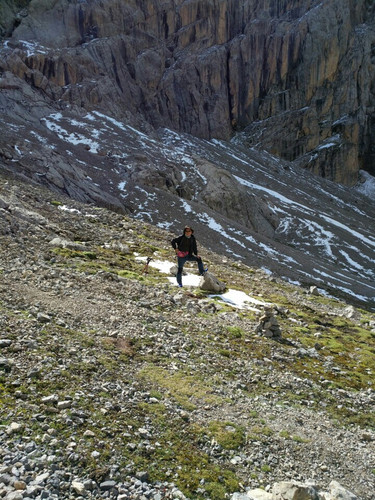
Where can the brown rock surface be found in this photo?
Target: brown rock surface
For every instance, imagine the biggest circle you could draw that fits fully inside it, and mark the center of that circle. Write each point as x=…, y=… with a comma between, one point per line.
x=297, y=79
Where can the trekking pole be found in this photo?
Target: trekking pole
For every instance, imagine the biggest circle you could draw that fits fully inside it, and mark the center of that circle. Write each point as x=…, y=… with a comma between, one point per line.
x=145, y=269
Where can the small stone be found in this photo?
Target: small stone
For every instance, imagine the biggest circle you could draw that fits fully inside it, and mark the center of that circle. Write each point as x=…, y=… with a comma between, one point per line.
x=14, y=495
x=143, y=432
x=49, y=399
x=5, y=365
x=5, y=343
x=89, y=433
x=78, y=487
x=34, y=373
x=62, y=405
x=43, y=318
x=142, y=476
x=19, y=485
x=41, y=478
x=107, y=485
x=5, y=479
x=13, y=428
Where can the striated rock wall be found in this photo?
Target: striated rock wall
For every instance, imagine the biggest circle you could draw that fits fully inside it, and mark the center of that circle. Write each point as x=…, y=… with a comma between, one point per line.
x=294, y=78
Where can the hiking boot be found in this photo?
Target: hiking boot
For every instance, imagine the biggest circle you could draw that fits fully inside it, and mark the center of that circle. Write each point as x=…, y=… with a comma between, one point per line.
x=204, y=271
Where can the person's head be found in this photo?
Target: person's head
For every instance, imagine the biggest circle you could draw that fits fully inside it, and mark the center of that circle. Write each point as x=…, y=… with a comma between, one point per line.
x=188, y=231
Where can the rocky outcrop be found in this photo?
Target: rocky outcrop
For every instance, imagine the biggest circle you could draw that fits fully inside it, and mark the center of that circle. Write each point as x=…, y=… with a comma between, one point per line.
x=11, y=14
x=292, y=490
x=224, y=194
x=210, y=283
x=295, y=79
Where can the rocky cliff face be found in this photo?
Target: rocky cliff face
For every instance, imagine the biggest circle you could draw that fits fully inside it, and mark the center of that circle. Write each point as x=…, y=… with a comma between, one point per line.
x=294, y=78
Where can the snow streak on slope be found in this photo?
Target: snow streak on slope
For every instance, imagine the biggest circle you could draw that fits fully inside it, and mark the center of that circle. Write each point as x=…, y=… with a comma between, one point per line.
x=325, y=233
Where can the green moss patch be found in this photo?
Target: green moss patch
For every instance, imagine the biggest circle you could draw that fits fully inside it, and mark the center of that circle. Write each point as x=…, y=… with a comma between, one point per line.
x=187, y=390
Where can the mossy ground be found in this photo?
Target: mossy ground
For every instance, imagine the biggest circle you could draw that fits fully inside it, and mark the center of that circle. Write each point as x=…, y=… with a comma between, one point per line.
x=177, y=449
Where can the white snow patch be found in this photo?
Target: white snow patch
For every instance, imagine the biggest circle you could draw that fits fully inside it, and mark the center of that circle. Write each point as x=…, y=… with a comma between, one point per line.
x=186, y=206
x=235, y=298
x=239, y=299
x=72, y=138
x=366, y=185
x=327, y=145
x=351, y=261
x=322, y=237
x=108, y=118
x=33, y=48
x=165, y=225
x=64, y=208
x=275, y=194
x=358, y=235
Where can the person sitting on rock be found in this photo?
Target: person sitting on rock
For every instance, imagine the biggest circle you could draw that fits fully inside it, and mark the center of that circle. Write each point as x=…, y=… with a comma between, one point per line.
x=186, y=250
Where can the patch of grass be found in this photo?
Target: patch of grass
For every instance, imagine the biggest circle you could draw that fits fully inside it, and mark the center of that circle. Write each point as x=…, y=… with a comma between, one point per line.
x=259, y=433
x=344, y=345
x=186, y=389
x=236, y=332
x=225, y=352
x=284, y=434
x=103, y=259
x=299, y=439
x=125, y=273
x=228, y=435
x=302, y=330
x=346, y=416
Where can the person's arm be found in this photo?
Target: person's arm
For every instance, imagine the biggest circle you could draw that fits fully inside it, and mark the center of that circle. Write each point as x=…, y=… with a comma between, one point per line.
x=175, y=242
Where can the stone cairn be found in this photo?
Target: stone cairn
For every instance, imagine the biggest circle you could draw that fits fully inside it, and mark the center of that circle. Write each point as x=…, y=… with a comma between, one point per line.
x=268, y=324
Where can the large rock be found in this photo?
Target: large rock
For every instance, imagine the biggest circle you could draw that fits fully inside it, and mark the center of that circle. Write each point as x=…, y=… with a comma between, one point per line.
x=211, y=283
x=11, y=13
x=338, y=492
x=291, y=490
x=227, y=196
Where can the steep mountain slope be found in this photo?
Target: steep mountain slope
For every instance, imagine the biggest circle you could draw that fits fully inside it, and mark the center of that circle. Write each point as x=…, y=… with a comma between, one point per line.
x=115, y=384
x=95, y=98
x=243, y=203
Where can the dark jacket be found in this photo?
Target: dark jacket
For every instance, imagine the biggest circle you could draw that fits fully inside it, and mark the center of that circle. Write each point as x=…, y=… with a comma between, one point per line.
x=186, y=244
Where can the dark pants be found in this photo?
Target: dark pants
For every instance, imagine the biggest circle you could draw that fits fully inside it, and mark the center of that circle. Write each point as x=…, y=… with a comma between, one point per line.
x=181, y=262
